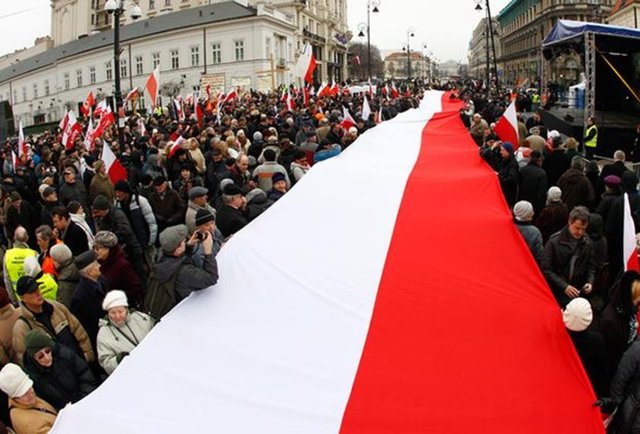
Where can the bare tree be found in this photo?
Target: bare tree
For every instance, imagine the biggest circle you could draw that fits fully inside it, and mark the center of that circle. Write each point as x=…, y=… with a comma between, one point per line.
x=359, y=71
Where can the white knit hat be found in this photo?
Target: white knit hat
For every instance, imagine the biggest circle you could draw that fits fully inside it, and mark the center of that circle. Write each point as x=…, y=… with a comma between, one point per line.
x=13, y=381
x=115, y=298
x=523, y=211
x=577, y=315
x=554, y=194
x=31, y=266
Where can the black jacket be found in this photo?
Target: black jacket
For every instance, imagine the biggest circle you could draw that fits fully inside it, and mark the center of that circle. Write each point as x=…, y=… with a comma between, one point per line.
x=189, y=278
x=555, y=164
x=625, y=389
x=557, y=259
x=86, y=304
x=508, y=175
x=230, y=220
x=68, y=379
x=590, y=347
x=532, y=186
x=76, y=239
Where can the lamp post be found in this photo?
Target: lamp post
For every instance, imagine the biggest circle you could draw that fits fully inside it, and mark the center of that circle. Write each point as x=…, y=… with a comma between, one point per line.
x=490, y=31
x=410, y=34
x=372, y=6
x=116, y=8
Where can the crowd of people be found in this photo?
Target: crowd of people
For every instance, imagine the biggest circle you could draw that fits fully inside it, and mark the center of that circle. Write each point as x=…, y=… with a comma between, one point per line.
x=92, y=263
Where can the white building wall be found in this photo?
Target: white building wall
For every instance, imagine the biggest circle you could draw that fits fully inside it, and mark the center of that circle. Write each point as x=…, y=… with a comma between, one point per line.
x=627, y=17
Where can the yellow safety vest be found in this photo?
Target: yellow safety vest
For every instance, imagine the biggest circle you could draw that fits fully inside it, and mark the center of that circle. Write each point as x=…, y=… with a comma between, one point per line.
x=593, y=142
x=14, y=263
x=48, y=286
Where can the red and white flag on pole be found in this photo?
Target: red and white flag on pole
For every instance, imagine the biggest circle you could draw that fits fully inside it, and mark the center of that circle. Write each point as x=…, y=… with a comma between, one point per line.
x=507, y=126
x=71, y=132
x=175, y=146
x=366, y=109
x=132, y=95
x=115, y=169
x=630, y=249
x=231, y=96
x=291, y=104
x=179, y=111
x=87, y=104
x=394, y=91
x=14, y=160
x=152, y=86
x=63, y=122
x=306, y=64
x=88, y=136
x=22, y=144
x=347, y=119
x=101, y=107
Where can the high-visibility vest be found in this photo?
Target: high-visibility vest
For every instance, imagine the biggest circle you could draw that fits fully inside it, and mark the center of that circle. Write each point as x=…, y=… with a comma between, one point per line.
x=14, y=263
x=48, y=286
x=593, y=142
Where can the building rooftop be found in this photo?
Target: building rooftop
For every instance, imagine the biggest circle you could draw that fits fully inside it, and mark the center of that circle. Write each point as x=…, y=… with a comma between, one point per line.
x=621, y=4
x=192, y=17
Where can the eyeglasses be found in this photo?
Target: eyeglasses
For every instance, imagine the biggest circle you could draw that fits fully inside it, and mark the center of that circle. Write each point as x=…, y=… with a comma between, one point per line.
x=40, y=355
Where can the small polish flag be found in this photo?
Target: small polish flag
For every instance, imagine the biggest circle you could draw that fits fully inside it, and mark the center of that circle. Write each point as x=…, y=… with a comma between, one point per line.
x=22, y=145
x=394, y=91
x=233, y=94
x=507, y=126
x=71, y=131
x=366, y=109
x=306, y=64
x=179, y=111
x=291, y=105
x=89, y=136
x=64, y=121
x=305, y=95
x=14, y=161
x=132, y=95
x=153, y=83
x=87, y=104
x=630, y=249
x=176, y=145
x=115, y=169
x=102, y=107
x=347, y=119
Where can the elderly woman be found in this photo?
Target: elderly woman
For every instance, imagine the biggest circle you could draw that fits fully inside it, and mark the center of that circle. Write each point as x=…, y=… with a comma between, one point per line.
x=121, y=331
x=29, y=413
x=59, y=375
x=116, y=268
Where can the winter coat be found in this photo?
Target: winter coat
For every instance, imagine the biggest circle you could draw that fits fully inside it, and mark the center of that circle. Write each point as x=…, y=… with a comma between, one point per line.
x=614, y=229
x=80, y=220
x=75, y=191
x=116, y=221
x=552, y=218
x=263, y=173
x=167, y=207
x=141, y=217
x=114, y=340
x=557, y=262
x=625, y=389
x=508, y=176
x=555, y=164
x=68, y=379
x=189, y=278
x=616, y=168
x=257, y=204
x=576, y=189
x=75, y=238
x=86, y=304
x=101, y=185
x=8, y=317
x=190, y=215
x=68, y=278
x=532, y=237
x=591, y=349
x=61, y=325
x=274, y=195
x=119, y=274
x=299, y=170
x=532, y=186
x=230, y=220
x=606, y=202
x=32, y=419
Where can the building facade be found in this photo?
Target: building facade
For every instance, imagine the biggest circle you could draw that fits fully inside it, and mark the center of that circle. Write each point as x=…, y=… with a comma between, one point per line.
x=625, y=13
x=226, y=44
x=525, y=23
x=478, y=47
x=396, y=65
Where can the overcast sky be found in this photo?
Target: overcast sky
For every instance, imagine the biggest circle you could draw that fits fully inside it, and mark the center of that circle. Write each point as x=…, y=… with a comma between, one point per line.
x=445, y=26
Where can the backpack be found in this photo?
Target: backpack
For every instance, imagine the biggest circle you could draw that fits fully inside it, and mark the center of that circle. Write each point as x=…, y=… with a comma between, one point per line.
x=160, y=296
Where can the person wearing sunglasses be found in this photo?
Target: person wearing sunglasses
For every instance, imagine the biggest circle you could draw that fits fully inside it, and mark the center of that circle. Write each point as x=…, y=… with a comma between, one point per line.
x=59, y=375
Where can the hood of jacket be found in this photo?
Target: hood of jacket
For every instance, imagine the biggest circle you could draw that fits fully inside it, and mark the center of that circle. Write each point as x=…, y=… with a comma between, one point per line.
x=167, y=266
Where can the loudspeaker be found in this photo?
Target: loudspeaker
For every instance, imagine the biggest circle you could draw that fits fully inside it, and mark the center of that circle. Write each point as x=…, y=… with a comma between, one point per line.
x=7, y=127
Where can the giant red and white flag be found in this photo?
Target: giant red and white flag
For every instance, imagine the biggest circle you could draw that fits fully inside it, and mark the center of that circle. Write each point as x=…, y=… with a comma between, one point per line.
x=152, y=86
x=71, y=131
x=22, y=144
x=507, y=126
x=630, y=248
x=379, y=325
x=306, y=64
x=115, y=169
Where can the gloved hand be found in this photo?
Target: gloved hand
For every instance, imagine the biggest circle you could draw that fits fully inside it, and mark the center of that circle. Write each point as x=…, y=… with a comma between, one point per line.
x=606, y=404
x=121, y=356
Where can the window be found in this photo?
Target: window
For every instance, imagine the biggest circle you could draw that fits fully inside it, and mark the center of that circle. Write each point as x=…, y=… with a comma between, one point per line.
x=79, y=77
x=167, y=2
x=195, y=56
x=35, y=90
x=24, y=93
x=46, y=88
x=267, y=47
x=239, y=50
x=139, y=67
x=123, y=68
x=152, y=4
x=175, y=59
x=108, y=70
x=93, y=19
x=92, y=74
x=216, y=52
x=155, y=60
x=67, y=82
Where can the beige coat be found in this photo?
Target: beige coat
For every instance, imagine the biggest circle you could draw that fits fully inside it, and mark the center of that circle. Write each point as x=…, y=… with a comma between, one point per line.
x=8, y=317
x=60, y=318
x=35, y=419
x=101, y=184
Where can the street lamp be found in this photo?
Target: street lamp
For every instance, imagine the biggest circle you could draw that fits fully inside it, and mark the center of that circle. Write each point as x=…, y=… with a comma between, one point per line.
x=493, y=45
x=116, y=8
x=410, y=34
x=372, y=6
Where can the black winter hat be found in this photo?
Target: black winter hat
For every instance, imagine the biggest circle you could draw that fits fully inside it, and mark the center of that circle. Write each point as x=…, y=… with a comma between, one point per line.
x=123, y=186
x=203, y=216
x=101, y=203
